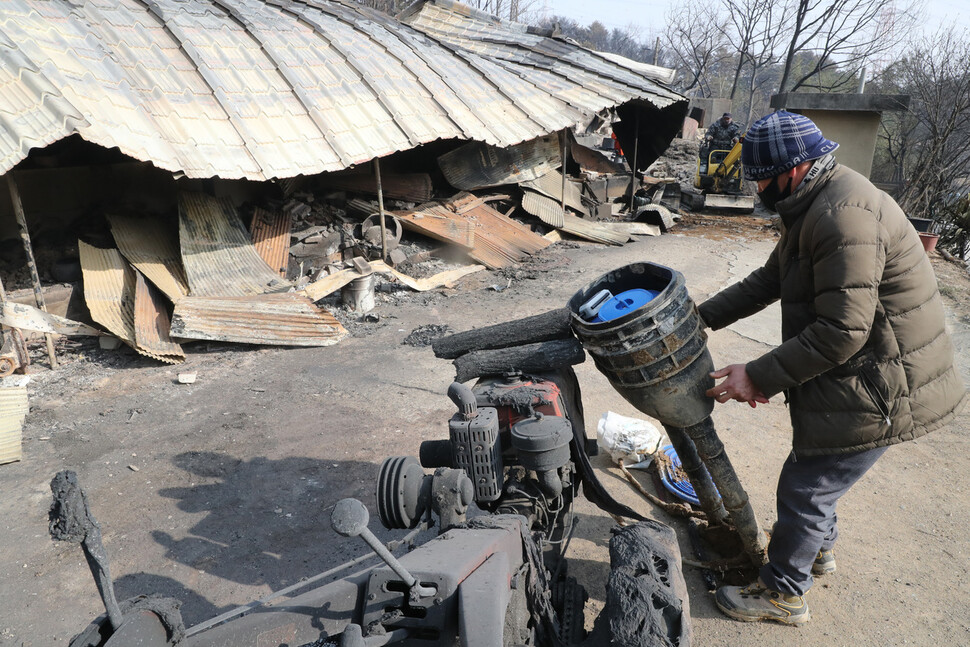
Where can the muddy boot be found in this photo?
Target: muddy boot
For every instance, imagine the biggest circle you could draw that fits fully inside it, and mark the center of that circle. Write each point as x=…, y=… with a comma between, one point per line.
x=757, y=602
x=825, y=563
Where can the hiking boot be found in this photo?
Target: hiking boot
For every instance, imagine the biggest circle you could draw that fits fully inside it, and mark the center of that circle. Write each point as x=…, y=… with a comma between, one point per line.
x=824, y=563
x=757, y=602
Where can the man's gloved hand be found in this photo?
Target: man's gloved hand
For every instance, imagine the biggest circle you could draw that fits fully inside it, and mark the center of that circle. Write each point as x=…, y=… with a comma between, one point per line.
x=738, y=386
x=734, y=141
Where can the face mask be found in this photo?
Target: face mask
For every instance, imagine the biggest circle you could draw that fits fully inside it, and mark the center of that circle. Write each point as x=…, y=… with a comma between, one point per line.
x=772, y=195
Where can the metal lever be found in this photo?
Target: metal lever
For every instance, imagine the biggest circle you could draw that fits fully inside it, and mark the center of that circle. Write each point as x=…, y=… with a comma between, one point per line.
x=349, y=519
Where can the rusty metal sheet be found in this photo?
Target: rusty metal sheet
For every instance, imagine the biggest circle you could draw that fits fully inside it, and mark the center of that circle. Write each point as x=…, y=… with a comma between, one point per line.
x=438, y=222
x=550, y=212
x=152, y=323
x=152, y=246
x=109, y=290
x=262, y=89
x=271, y=236
x=13, y=412
x=476, y=165
x=288, y=319
x=414, y=187
x=550, y=185
x=110, y=285
x=497, y=241
x=219, y=259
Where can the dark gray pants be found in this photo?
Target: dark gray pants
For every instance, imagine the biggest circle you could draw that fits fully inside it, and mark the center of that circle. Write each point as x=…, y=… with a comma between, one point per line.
x=808, y=489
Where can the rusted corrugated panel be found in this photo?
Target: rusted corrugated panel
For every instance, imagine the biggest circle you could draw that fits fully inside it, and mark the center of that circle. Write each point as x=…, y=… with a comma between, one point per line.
x=152, y=323
x=476, y=165
x=262, y=89
x=550, y=185
x=414, y=187
x=271, y=238
x=13, y=411
x=110, y=294
x=498, y=241
x=550, y=212
x=544, y=208
x=109, y=290
x=288, y=319
x=152, y=246
x=439, y=222
x=219, y=259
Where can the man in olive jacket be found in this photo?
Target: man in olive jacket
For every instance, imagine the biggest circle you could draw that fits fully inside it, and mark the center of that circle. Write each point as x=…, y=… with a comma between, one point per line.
x=865, y=361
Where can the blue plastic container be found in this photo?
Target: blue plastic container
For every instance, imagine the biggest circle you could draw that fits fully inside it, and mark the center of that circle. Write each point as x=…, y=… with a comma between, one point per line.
x=624, y=303
x=675, y=483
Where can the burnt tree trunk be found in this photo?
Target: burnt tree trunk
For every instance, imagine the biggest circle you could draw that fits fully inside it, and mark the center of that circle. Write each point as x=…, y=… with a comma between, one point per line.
x=545, y=327
x=531, y=358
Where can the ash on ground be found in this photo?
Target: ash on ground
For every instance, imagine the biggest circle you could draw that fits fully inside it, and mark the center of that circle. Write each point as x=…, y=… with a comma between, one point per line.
x=425, y=335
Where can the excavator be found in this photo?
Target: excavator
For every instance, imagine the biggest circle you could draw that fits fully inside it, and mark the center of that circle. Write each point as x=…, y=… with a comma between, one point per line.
x=719, y=178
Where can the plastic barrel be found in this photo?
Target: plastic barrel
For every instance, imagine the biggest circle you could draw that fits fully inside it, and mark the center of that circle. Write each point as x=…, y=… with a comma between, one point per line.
x=656, y=357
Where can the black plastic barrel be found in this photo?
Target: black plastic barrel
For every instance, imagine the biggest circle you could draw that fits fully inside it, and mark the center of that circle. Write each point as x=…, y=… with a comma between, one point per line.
x=656, y=356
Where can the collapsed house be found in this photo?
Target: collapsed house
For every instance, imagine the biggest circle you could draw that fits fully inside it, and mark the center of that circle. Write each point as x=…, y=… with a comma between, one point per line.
x=214, y=165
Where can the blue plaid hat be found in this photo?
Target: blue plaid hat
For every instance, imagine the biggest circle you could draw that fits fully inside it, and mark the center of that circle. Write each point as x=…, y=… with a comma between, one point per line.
x=779, y=142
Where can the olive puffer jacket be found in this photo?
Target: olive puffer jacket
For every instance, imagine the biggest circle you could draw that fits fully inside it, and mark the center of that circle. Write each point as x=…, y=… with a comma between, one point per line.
x=865, y=360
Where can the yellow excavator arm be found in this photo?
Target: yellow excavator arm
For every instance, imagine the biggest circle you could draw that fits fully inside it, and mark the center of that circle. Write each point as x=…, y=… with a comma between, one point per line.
x=729, y=162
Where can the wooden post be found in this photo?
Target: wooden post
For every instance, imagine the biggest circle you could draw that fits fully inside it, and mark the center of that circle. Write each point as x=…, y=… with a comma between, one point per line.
x=18, y=209
x=380, y=206
x=563, y=201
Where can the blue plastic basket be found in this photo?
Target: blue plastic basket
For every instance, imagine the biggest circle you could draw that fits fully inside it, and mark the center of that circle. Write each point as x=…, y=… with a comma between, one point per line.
x=677, y=485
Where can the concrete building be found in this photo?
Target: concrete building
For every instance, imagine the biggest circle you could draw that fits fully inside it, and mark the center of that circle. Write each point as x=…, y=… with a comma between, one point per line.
x=850, y=119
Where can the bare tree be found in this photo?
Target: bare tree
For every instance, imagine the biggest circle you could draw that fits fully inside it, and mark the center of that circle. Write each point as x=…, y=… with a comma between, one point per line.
x=842, y=35
x=515, y=10
x=694, y=42
x=934, y=136
x=753, y=28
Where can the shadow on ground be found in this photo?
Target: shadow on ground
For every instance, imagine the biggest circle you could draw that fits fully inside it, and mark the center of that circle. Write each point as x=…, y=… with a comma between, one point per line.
x=266, y=523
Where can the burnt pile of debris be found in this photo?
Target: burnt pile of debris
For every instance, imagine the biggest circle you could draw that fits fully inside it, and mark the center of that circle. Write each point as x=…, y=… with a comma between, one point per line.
x=258, y=273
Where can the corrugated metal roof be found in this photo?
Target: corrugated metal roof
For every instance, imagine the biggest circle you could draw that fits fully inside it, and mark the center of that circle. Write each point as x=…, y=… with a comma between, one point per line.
x=267, y=88
x=583, y=78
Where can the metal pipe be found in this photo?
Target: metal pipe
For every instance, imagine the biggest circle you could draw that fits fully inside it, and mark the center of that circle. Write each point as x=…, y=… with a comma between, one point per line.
x=698, y=476
x=711, y=450
x=633, y=166
x=380, y=206
x=18, y=209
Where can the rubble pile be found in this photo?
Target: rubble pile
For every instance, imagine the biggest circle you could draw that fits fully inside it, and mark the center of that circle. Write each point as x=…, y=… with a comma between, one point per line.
x=679, y=161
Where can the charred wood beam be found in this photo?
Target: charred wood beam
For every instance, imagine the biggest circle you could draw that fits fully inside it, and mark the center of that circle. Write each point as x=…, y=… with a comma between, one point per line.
x=531, y=358
x=530, y=330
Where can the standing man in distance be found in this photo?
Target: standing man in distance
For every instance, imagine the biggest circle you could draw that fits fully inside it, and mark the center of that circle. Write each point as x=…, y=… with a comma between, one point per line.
x=865, y=361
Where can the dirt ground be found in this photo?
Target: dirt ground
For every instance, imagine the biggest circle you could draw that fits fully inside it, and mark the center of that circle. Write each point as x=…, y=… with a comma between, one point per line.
x=217, y=492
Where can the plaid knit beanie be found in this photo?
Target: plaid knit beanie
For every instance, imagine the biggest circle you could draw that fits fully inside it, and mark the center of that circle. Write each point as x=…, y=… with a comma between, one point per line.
x=779, y=142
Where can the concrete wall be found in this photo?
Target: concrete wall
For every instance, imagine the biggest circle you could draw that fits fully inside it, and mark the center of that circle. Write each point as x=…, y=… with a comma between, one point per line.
x=855, y=132
x=713, y=109
x=852, y=120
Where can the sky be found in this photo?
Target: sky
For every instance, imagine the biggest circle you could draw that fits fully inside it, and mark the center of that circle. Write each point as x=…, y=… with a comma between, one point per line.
x=650, y=13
